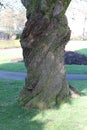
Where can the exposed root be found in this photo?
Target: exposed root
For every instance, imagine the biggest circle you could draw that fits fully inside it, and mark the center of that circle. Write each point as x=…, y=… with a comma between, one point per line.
x=74, y=92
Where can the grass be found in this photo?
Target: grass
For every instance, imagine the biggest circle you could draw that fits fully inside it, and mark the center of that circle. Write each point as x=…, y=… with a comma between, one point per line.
x=82, y=51
x=9, y=44
x=69, y=116
x=76, y=69
x=15, y=67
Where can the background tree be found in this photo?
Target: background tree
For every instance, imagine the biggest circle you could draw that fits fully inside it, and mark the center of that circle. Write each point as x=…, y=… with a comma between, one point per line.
x=43, y=41
x=12, y=17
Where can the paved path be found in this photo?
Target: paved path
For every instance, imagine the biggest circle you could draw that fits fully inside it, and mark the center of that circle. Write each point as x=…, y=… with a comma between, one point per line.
x=76, y=76
x=12, y=75
x=21, y=76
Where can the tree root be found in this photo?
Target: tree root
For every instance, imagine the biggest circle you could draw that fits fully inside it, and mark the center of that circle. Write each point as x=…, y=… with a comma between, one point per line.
x=74, y=92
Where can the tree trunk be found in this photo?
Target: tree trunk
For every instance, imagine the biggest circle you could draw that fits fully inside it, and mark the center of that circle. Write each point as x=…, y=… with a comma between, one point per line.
x=43, y=41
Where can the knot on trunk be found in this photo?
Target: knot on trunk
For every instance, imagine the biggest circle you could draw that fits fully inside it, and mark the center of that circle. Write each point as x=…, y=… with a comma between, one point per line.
x=35, y=26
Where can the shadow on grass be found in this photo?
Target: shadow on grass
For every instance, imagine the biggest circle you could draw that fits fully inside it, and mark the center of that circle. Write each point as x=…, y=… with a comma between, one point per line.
x=15, y=67
x=16, y=118
x=12, y=115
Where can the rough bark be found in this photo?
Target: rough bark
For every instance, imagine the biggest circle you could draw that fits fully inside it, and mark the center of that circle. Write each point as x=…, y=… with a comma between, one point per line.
x=43, y=41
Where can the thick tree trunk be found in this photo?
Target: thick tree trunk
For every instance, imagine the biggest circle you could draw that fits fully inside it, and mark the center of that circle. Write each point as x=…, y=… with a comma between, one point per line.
x=43, y=42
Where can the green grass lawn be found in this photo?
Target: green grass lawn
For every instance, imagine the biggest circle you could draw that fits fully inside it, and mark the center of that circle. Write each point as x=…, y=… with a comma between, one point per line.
x=76, y=69
x=82, y=51
x=69, y=116
x=15, y=67
x=9, y=44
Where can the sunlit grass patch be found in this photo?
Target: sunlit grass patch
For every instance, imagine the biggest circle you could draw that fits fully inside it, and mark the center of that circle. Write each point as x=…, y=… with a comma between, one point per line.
x=9, y=44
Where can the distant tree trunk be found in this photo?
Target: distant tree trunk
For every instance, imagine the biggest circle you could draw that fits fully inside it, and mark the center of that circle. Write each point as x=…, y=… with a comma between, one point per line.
x=43, y=41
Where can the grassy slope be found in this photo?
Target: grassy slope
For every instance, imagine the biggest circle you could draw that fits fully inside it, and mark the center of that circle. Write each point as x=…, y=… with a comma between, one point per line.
x=70, y=116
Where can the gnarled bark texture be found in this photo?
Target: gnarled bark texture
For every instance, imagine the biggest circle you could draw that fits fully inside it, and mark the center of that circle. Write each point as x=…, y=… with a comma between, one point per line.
x=43, y=41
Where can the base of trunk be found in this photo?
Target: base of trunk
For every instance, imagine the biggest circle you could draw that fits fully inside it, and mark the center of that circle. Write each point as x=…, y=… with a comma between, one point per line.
x=45, y=84
x=42, y=100
x=39, y=102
